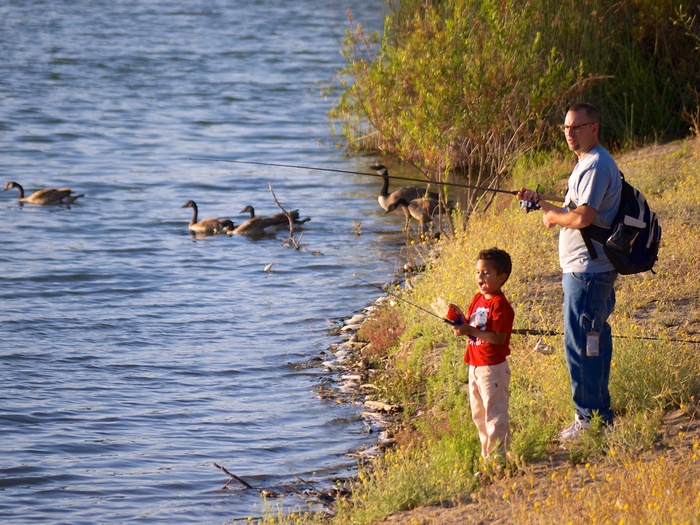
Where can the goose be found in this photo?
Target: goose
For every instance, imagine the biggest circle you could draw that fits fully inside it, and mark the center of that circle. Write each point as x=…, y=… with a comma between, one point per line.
x=421, y=209
x=389, y=201
x=208, y=226
x=46, y=196
x=259, y=226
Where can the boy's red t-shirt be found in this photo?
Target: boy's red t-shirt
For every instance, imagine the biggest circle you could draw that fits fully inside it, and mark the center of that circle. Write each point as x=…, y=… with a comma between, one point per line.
x=492, y=315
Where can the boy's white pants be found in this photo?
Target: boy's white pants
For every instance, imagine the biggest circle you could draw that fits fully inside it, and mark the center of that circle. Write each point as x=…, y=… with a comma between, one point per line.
x=488, y=397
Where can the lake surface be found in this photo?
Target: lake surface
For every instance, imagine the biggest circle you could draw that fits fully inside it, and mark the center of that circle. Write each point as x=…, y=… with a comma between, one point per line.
x=134, y=356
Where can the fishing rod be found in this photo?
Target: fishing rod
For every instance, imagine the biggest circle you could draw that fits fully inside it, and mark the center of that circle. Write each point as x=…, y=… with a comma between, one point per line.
x=522, y=331
x=404, y=300
x=452, y=323
x=526, y=331
x=332, y=170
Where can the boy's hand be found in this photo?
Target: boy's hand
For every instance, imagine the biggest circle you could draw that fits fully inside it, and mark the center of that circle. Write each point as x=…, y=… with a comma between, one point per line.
x=461, y=329
x=454, y=315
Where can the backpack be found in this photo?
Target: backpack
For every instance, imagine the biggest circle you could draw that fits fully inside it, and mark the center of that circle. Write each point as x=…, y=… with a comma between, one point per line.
x=632, y=240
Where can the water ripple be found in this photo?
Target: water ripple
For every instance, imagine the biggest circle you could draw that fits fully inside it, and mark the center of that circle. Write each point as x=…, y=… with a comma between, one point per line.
x=133, y=355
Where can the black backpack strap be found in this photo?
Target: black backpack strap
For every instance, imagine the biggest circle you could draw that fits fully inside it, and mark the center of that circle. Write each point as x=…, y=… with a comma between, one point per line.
x=586, y=234
x=601, y=234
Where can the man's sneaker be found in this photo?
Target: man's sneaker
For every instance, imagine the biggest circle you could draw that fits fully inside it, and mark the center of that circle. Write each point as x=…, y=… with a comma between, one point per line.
x=574, y=429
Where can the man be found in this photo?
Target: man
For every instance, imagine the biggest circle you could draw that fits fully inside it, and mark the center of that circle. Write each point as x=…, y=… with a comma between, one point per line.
x=593, y=197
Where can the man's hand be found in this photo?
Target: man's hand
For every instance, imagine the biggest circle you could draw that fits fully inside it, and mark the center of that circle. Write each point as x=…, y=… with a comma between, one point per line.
x=576, y=218
x=528, y=195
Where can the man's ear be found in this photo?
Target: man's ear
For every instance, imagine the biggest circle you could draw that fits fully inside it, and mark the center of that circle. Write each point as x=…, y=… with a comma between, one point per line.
x=502, y=278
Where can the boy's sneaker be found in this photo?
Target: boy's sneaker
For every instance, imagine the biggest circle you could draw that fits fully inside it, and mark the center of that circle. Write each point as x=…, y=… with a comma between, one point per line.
x=573, y=430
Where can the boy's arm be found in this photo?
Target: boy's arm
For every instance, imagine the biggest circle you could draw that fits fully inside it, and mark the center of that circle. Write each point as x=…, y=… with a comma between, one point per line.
x=493, y=338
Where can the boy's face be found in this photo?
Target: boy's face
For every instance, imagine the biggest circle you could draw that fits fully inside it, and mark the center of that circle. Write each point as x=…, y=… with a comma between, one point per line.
x=488, y=279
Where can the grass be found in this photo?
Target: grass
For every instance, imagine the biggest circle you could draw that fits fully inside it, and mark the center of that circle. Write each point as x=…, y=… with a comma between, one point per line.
x=637, y=472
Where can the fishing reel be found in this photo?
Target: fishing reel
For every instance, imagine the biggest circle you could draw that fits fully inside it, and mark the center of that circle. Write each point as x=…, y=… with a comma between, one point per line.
x=532, y=204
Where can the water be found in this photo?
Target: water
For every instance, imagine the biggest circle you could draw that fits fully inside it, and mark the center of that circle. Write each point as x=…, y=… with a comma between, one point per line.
x=134, y=356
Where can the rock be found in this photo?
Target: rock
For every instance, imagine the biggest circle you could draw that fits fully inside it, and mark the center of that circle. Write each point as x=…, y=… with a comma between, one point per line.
x=332, y=365
x=382, y=300
x=347, y=388
x=357, y=319
x=380, y=406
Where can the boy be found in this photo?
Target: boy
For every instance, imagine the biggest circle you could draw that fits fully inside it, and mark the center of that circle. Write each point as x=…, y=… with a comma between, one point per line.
x=489, y=324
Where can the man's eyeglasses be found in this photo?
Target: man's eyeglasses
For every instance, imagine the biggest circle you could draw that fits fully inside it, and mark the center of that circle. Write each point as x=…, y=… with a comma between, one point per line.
x=574, y=129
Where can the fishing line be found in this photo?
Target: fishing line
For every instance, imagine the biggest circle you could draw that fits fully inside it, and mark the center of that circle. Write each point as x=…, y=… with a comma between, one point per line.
x=615, y=336
x=521, y=331
x=526, y=331
x=454, y=184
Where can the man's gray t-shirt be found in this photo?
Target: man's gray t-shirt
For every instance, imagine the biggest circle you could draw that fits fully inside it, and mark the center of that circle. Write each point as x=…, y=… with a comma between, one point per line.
x=596, y=182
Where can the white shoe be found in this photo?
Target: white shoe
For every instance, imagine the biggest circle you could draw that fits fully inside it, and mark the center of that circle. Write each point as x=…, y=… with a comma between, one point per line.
x=573, y=430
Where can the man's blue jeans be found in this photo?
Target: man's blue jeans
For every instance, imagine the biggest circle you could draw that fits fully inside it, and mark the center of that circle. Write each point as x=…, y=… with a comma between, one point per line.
x=589, y=299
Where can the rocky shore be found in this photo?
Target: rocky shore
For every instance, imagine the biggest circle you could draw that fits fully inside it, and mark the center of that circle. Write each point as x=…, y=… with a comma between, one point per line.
x=351, y=378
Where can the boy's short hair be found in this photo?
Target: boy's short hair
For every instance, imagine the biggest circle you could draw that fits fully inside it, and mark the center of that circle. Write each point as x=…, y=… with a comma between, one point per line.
x=500, y=259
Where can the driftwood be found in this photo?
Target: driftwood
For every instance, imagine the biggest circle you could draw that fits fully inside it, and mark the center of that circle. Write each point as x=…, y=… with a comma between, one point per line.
x=324, y=496
x=233, y=477
x=292, y=241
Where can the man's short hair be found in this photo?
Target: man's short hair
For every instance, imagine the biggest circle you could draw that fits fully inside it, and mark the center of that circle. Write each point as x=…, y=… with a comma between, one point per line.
x=590, y=110
x=500, y=259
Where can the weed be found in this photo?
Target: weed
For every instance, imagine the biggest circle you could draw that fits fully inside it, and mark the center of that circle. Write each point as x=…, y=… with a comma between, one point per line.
x=381, y=331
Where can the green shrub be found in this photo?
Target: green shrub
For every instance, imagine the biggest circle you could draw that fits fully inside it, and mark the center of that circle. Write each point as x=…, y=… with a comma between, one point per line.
x=470, y=86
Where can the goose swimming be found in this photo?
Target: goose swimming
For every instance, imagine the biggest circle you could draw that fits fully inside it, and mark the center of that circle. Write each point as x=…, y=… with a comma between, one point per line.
x=257, y=226
x=46, y=196
x=208, y=226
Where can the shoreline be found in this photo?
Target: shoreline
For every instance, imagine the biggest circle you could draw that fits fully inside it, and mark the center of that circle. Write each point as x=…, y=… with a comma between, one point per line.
x=544, y=480
x=351, y=375
x=350, y=381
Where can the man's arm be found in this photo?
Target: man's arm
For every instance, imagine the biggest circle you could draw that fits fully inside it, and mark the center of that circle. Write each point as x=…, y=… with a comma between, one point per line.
x=552, y=215
x=578, y=218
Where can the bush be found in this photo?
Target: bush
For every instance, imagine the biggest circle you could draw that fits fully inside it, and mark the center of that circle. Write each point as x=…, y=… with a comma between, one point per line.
x=381, y=331
x=469, y=86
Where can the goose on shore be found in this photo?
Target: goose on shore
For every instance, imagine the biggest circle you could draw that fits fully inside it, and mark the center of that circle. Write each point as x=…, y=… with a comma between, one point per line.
x=421, y=209
x=389, y=200
x=257, y=226
x=46, y=196
x=208, y=226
